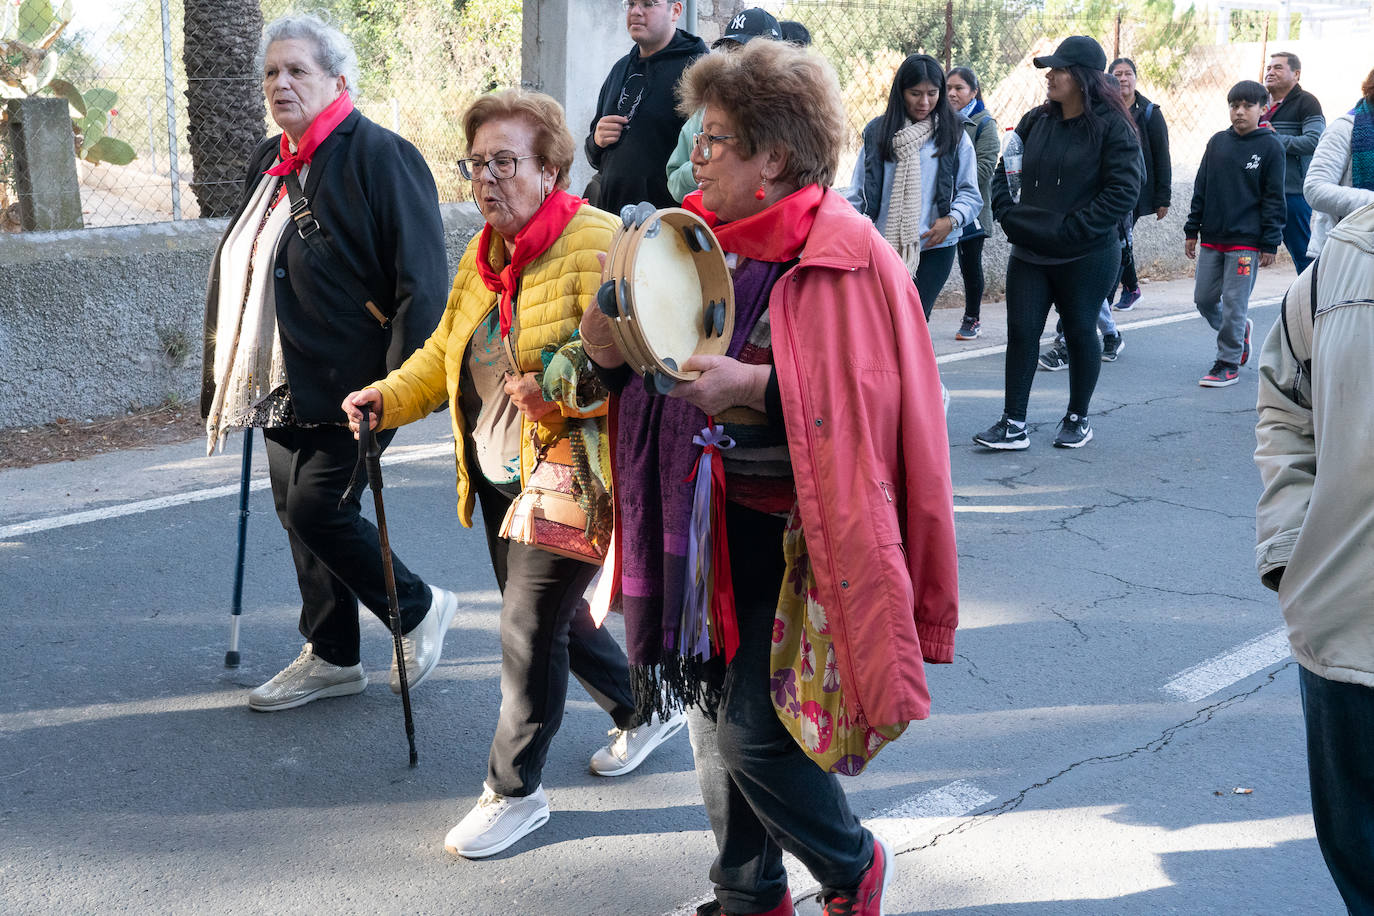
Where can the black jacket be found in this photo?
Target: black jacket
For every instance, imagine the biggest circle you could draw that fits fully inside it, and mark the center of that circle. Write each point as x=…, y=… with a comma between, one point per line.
x=1299, y=123
x=375, y=200
x=645, y=91
x=1238, y=193
x=873, y=174
x=1075, y=188
x=1157, y=190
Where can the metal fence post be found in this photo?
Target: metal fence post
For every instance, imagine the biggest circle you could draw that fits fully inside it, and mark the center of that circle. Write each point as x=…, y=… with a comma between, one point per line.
x=395, y=115
x=170, y=90
x=1116, y=37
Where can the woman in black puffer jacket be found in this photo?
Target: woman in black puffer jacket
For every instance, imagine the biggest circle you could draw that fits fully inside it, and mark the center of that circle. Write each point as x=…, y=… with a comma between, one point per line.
x=1081, y=174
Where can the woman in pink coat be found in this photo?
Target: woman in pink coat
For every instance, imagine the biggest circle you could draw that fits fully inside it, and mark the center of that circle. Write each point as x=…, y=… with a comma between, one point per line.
x=838, y=511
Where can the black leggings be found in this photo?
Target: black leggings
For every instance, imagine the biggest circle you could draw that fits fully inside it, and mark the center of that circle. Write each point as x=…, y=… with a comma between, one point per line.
x=1129, y=280
x=1076, y=289
x=971, y=268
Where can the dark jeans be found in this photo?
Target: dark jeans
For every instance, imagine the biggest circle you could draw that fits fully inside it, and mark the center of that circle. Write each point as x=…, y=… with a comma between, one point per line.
x=1297, y=230
x=546, y=631
x=337, y=553
x=931, y=275
x=1340, y=766
x=971, y=269
x=762, y=793
x=1076, y=289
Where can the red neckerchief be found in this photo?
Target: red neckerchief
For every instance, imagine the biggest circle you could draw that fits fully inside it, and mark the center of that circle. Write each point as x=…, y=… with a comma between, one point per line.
x=315, y=134
x=534, y=239
x=776, y=235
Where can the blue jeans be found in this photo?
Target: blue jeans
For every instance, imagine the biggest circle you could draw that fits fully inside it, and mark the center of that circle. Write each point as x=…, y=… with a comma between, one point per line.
x=1340, y=766
x=1297, y=230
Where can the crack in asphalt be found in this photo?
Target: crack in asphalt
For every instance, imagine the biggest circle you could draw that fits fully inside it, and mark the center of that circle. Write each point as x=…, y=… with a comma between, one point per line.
x=973, y=669
x=1154, y=746
x=1129, y=500
x=1071, y=622
x=1172, y=591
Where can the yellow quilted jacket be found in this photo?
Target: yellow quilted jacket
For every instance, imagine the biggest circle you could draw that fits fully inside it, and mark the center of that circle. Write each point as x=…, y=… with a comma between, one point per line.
x=555, y=289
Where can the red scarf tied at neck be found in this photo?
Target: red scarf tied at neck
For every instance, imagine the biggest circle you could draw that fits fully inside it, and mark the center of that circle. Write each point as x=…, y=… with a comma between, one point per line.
x=315, y=134
x=776, y=234
x=531, y=241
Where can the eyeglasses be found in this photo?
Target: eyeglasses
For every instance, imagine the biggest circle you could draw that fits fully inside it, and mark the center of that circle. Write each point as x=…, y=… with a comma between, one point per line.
x=500, y=167
x=702, y=143
x=642, y=5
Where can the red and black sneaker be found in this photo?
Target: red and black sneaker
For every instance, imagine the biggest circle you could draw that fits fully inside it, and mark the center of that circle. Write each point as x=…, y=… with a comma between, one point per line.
x=1223, y=375
x=784, y=907
x=868, y=899
x=1245, y=349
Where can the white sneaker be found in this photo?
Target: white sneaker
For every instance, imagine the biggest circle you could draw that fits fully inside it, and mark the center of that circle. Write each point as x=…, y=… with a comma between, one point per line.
x=629, y=747
x=306, y=679
x=497, y=821
x=425, y=643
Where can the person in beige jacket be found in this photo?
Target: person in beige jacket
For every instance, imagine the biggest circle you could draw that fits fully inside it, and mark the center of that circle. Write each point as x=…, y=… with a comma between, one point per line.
x=1315, y=527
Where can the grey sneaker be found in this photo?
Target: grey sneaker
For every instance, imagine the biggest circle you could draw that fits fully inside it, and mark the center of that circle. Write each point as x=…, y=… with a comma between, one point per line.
x=1112, y=345
x=305, y=680
x=496, y=822
x=1074, y=432
x=630, y=746
x=1055, y=358
x=424, y=644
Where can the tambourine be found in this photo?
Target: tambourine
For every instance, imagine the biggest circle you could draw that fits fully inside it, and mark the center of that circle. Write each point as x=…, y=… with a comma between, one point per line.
x=667, y=292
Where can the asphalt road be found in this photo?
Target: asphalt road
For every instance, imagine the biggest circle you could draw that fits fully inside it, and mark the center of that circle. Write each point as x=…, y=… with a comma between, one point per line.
x=1119, y=676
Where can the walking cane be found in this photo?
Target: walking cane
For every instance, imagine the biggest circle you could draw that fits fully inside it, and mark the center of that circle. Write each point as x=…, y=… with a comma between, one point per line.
x=231, y=657
x=370, y=454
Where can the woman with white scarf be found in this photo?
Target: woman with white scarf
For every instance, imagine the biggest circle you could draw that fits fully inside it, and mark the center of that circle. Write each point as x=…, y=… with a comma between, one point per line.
x=917, y=175
x=289, y=330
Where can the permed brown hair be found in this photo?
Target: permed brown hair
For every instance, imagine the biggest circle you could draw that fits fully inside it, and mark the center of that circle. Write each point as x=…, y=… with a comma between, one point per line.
x=1367, y=87
x=552, y=139
x=779, y=96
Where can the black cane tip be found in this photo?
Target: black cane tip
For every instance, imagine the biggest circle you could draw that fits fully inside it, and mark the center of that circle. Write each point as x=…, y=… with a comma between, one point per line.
x=231, y=659
x=414, y=759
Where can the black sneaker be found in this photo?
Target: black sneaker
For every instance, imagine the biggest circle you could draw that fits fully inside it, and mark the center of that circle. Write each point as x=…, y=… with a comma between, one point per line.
x=1074, y=432
x=969, y=329
x=1245, y=350
x=1223, y=375
x=1127, y=300
x=1112, y=345
x=1004, y=435
x=1055, y=358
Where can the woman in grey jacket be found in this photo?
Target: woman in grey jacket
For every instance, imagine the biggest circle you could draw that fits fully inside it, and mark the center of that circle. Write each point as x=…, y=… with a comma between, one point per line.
x=966, y=95
x=1340, y=178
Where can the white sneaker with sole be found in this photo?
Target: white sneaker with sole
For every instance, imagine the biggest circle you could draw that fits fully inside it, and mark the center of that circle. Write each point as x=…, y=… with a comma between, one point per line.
x=496, y=822
x=305, y=680
x=629, y=747
x=424, y=644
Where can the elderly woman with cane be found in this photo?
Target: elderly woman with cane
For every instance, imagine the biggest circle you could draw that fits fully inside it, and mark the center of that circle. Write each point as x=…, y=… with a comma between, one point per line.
x=838, y=518
x=519, y=293
x=331, y=272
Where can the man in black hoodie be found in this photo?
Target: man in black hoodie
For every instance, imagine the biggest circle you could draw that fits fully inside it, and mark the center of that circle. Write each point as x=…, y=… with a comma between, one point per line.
x=1297, y=119
x=636, y=122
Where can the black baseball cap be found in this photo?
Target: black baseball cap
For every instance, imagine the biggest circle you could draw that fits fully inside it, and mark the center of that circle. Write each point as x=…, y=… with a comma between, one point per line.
x=1075, y=51
x=750, y=23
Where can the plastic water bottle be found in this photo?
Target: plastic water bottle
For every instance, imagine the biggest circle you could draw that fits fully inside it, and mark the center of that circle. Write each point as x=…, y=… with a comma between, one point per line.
x=1011, y=161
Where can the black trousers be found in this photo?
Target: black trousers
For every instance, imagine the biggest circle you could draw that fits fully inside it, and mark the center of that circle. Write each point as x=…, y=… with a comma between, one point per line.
x=1076, y=289
x=931, y=275
x=545, y=632
x=971, y=269
x=763, y=795
x=337, y=553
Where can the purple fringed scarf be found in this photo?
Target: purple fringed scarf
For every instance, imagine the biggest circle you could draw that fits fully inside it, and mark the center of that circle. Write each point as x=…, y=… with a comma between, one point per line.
x=654, y=459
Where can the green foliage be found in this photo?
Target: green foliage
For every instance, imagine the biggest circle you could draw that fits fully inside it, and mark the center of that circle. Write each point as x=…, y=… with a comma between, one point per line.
x=1250, y=25
x=1151, y=33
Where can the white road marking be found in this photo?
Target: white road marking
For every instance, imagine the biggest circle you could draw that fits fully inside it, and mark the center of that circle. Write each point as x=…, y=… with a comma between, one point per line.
x=1223, y=670
x=192, y=496
x=961, y=355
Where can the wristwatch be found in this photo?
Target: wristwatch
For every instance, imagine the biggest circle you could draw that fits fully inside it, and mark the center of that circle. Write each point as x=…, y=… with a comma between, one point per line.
x=954, y=219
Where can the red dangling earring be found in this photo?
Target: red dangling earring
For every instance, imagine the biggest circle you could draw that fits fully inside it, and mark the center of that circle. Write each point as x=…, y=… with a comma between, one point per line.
x=760, y=194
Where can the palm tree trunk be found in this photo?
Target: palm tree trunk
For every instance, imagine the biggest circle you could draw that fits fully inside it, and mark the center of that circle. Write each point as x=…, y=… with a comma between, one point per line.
x=225, y=109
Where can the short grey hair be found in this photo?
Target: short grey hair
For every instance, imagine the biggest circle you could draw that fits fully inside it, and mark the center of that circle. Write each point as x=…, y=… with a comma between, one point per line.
x=333, y=51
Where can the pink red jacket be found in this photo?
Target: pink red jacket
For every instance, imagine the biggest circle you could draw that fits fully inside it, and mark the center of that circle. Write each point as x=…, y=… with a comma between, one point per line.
x=866, y=429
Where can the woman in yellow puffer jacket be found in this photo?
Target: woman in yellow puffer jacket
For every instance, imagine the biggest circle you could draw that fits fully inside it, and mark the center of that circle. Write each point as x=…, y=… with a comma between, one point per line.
x=520, y=292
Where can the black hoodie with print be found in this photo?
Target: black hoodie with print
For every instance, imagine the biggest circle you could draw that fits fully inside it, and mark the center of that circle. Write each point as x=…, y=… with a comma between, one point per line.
x=642, y=89
x=1238, y=193
x=1077, y=182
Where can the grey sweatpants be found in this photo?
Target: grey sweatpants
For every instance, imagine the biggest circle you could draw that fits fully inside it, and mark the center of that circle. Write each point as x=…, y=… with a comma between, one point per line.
x=1221, y=291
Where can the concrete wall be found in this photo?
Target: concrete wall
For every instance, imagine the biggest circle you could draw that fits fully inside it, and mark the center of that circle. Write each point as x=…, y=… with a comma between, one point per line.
x=96, y=321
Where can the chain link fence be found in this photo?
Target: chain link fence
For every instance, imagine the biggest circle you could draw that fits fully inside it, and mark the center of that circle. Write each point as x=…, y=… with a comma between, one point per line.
x=165, y=98
x=165, y=101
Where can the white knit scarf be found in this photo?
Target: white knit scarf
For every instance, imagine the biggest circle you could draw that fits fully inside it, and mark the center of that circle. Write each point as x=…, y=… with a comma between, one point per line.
x=905, y=206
